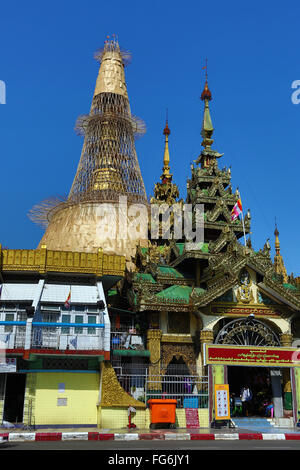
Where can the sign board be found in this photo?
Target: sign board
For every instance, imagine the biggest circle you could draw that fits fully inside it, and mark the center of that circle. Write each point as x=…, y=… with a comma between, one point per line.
x=192, y=418
x=251, y=356
x=222, y=404
x=10, y=365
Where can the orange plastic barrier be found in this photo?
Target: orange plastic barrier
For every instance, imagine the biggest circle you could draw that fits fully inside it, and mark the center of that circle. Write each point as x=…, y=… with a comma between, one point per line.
x=162, y=411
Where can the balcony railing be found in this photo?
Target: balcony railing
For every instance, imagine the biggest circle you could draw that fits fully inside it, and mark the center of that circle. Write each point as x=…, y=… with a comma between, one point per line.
x=67, y=336
x=12, y=334
x=56, y=336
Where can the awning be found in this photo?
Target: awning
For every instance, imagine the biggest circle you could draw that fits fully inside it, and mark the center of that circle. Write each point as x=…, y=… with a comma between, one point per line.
x=131, y=352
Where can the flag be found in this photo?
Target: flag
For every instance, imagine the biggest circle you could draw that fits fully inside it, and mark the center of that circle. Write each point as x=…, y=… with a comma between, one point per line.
x=68, y=300
x=7, y=337
x=237, y=210
x=74, y=342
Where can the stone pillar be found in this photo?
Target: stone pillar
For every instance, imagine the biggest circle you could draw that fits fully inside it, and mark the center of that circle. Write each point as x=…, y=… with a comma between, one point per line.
x=286, y=342
x=154, y=346
x=277, y=392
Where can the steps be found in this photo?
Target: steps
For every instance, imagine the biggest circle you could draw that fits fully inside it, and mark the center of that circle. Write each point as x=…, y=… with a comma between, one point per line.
x=256, y=424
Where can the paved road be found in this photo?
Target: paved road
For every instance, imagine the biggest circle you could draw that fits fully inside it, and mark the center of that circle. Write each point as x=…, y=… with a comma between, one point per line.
x=150, y=448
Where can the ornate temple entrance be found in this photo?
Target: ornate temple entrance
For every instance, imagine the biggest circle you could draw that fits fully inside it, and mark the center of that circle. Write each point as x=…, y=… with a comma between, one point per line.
x=265, y=383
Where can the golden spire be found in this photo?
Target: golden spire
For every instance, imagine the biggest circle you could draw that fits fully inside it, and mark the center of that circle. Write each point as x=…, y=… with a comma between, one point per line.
x=166, y=176
x=278, y=260
x=111, y=76
x=166, y=191
x=277, y=243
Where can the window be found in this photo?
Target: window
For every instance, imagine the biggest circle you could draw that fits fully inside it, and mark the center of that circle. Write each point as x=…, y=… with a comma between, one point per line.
x=65, y=319
x=92, y=319
x=50, y=317
x=78, y=319
x=178, y=323
x=9, y=317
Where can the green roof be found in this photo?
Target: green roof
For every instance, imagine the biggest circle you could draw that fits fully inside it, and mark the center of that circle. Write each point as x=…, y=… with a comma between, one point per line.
x=144, y=277
x=168, y=271
x=289, y=286
x=178, y=293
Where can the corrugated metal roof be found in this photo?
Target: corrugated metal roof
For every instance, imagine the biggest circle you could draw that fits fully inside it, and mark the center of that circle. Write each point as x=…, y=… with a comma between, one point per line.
x=79, y=294
x=18, y=292
x=57, y=293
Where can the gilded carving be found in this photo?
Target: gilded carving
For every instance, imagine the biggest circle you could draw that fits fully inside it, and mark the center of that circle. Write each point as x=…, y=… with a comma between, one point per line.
x=177, y=338
x=112, y=392
x=206, y=336
x=154, y=346
x=43, y=260
x=286, y=340
x=244, y=293
x=184, y=351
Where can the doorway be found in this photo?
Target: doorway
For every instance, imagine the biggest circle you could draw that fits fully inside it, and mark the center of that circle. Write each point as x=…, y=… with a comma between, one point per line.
x=258, y=380
x=14, y=398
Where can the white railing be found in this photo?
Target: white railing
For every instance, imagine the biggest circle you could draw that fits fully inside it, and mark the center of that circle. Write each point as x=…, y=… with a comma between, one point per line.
x=190, y=391
x=12, y=336
x=75, y=338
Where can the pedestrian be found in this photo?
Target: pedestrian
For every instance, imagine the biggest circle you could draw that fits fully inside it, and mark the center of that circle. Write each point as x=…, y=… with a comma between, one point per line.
x=269, y=409
x=246, y=397
x=232, y=403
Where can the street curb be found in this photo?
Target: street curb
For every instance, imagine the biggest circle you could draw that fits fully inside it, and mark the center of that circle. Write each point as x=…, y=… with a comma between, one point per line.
x=98, y=436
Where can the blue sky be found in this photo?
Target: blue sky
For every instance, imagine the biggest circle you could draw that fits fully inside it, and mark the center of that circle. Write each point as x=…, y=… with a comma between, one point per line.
x=253, y=58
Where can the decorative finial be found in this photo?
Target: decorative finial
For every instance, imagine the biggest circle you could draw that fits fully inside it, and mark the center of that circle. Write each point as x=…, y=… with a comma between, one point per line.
x=207, y=127
x=166, y=129
x=166, y=176
x=276, y=233
x=206, y=94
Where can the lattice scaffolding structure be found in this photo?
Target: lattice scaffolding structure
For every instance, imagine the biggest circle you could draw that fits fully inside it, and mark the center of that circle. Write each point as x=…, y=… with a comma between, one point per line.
x=108, y=167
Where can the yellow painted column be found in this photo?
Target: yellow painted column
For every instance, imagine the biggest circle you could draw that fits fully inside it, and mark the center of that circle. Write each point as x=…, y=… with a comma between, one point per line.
x=218, y=379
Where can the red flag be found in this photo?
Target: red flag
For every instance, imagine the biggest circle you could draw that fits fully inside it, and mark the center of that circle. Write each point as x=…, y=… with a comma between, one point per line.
x=68, y=300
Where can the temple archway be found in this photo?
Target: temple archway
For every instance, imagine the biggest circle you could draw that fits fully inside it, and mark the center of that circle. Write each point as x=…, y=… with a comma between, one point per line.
x=182, y=352
x=247, y=332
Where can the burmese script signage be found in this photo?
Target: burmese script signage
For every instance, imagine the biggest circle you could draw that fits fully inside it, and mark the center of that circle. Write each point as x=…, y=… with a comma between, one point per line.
x=258, y=311
x=251, y=356
x=222, y=407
